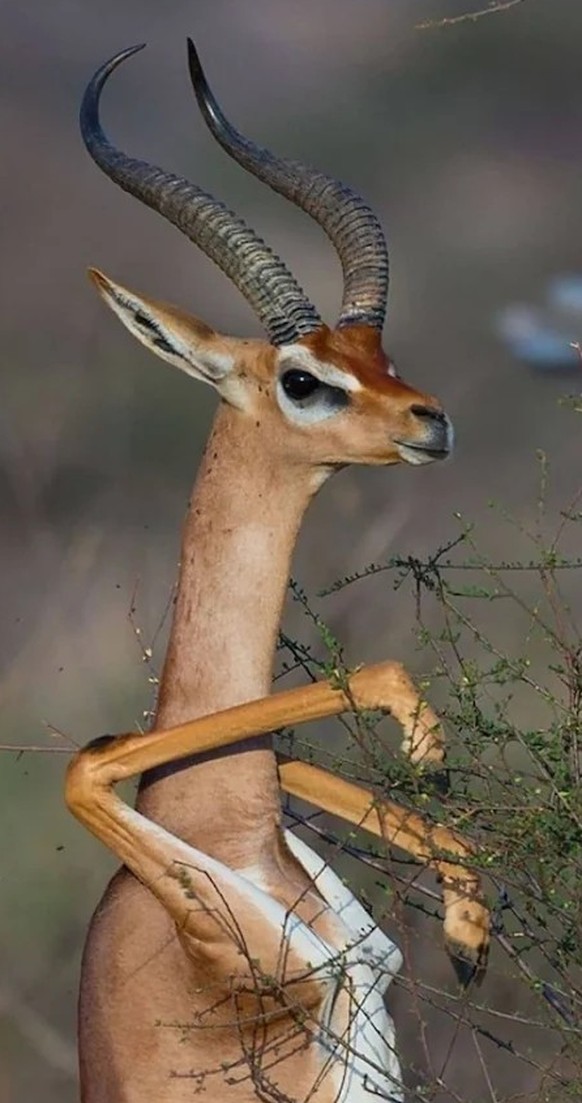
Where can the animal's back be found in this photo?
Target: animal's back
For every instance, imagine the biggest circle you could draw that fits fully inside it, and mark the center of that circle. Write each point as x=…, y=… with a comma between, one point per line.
x=135, y=985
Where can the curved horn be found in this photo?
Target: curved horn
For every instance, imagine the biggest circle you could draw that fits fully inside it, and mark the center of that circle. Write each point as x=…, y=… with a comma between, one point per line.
x=351, y=226
x=259, y=274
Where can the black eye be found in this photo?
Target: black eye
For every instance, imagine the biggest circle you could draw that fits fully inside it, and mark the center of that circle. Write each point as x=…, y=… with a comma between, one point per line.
x=299, y=384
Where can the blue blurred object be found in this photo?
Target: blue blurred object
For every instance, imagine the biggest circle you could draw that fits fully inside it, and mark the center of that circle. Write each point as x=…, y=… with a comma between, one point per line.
x=565, y=295
x=543, y=336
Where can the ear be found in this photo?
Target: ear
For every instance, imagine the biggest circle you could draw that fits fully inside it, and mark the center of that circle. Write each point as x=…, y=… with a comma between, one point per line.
x=179, y=338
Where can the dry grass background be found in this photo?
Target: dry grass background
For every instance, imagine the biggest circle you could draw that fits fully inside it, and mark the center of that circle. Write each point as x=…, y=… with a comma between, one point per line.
x=467, y=141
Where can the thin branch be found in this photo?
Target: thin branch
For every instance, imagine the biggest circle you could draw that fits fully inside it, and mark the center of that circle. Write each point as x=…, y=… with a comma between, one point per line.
x=468, y=17
x=34, y=749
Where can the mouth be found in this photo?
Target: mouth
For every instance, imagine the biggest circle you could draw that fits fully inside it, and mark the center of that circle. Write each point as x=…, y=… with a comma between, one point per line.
x=417, y=454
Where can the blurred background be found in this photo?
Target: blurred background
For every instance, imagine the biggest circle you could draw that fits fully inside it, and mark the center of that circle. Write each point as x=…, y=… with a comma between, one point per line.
x=466, y=140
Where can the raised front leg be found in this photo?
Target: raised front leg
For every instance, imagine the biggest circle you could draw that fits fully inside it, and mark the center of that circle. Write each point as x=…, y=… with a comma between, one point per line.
x=467, y=920
x=148, y=851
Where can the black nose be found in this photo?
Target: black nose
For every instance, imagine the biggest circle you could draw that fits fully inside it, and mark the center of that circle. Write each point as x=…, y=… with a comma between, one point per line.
x=429, y=413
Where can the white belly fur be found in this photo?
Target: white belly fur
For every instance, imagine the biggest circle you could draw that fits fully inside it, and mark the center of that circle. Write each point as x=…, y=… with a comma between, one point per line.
x=356, y=964
x=358, y=1047
x=367, y=1061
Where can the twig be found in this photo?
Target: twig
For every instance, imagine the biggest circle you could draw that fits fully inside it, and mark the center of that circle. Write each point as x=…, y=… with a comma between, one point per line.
x=469, y=16
x=20, y=749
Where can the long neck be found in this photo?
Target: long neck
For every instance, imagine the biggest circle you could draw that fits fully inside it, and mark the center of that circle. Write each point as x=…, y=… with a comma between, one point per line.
x=238, y=539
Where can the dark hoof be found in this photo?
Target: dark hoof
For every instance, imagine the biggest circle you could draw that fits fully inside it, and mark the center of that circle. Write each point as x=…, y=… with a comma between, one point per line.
x=469, y=970
x=465, y=971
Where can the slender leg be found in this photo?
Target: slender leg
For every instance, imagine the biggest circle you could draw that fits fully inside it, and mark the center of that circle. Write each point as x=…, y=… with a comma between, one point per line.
x=466, y=926
x=259, y=976
x=148, y=851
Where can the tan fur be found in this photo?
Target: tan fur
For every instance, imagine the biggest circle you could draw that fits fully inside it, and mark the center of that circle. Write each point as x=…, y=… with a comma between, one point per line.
x=168, y=1000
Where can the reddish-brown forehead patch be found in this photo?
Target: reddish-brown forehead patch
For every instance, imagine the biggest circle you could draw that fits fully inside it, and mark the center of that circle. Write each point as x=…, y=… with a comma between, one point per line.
x=357, y=349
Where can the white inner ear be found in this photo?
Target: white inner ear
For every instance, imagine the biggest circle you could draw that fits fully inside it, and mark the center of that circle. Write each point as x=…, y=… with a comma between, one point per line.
x=169, y=337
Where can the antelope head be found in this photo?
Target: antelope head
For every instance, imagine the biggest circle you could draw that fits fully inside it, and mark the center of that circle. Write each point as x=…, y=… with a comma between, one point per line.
x=321, y=396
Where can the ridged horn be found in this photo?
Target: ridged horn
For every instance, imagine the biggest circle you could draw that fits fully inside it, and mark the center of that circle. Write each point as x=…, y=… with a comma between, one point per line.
x=350, y=224
x=266, y=283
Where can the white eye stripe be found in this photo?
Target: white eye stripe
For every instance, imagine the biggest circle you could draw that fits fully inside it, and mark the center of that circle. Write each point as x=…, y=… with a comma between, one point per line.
x=325, y=402
x=296, y=356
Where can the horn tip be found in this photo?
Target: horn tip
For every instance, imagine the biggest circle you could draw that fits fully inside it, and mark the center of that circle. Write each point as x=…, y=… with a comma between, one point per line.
x=194, y=63
x=128, y=52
